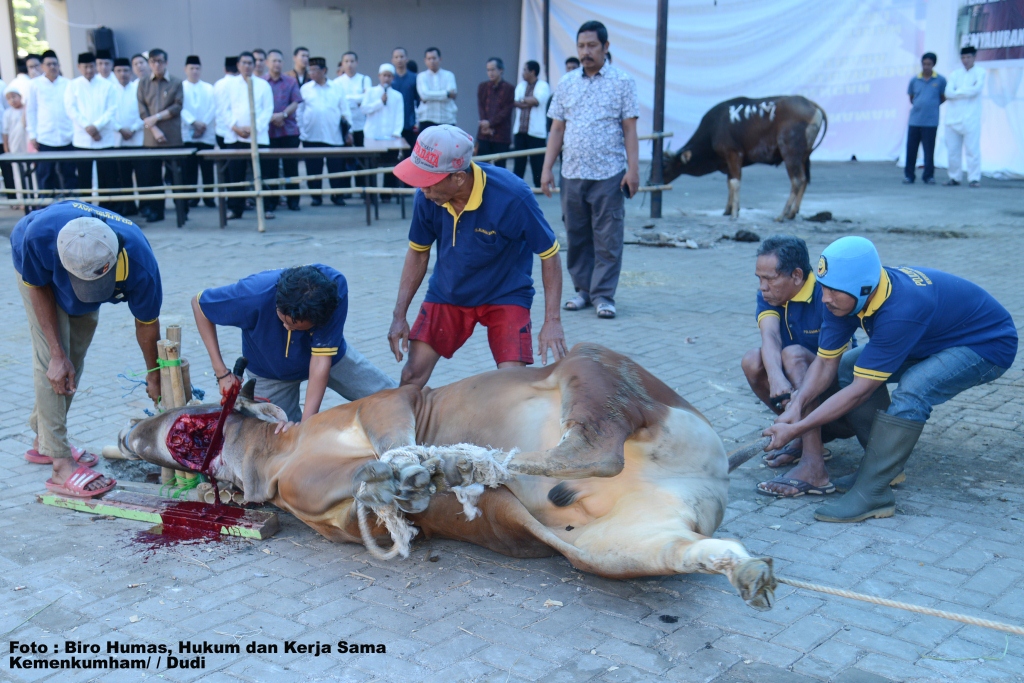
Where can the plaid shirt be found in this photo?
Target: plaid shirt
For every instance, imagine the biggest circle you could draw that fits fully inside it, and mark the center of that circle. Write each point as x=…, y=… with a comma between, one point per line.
x=286, y=91
x=593, y=108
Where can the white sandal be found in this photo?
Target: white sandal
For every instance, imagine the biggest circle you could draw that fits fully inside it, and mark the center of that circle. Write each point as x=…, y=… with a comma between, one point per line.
x=577, y=303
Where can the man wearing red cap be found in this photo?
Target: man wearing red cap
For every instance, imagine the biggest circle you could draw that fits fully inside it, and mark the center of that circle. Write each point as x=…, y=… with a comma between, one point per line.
x=487, y=226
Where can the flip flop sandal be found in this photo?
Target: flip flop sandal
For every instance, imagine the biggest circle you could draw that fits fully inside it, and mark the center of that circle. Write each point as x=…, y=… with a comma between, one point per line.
x=577, y=303
x=75, y=485
x=802, y=488
x=606, y=311
x=80, y=456
x=826, y=456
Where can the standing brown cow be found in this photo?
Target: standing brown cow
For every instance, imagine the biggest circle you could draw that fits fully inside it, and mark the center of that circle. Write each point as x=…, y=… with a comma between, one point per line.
x=744, y=131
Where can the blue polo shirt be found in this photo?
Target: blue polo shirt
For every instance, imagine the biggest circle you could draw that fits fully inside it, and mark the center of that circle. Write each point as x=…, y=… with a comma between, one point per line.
x=927, y=96
x=916, y=313
x=34, y=251
x=800, y=317
x=273, y=351
x=485, y=254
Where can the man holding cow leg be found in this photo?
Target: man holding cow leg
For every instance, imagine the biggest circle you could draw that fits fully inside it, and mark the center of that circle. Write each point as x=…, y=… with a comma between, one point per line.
x=293, y=324
x=487, y=225
x=934, y=333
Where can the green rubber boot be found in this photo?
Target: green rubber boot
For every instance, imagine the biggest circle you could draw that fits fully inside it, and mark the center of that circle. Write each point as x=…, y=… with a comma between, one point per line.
x=861, y=419
x=892, y=440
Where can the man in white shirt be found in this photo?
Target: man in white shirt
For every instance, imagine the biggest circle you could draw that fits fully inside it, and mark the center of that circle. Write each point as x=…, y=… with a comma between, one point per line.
x=324, y=105
x=220, y=99
x=385, y=116
x=49, y=128
x=105, y=66
x=239, y=132
x=354, y=85
x=963, y=118
x=129, y=127
x=530, y=121
x=198, y=112
x=437, y=92
x=91, y=104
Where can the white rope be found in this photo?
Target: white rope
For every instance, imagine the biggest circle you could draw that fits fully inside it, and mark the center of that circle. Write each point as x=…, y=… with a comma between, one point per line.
x=479, y=467
x=942, y=614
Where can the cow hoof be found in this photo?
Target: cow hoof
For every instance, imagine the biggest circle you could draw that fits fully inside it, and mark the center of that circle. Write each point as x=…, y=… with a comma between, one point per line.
x=381, y=485
x=756, y=583
x=780, y=218
x=414, y=489
x=457, y=470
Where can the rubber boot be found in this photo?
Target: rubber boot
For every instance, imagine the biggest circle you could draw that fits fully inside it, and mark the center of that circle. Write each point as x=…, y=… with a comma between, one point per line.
x=861, y=419
x=892, y=440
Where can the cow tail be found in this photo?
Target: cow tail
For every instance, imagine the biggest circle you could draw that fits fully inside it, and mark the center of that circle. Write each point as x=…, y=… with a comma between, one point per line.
x=824, y=129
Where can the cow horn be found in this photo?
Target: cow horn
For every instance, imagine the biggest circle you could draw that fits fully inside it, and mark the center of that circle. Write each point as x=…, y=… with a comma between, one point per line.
x=248, y=390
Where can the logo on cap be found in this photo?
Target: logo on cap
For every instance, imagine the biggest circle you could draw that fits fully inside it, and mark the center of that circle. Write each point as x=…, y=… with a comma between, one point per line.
x=431, y=157
x=822, y=266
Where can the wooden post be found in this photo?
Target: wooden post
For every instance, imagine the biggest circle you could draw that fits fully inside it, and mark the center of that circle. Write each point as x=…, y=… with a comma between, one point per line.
x=257, y=175
x=186, y=379
x=173, y=333
x=547, y=40
x=173, y=350
x=657, y=145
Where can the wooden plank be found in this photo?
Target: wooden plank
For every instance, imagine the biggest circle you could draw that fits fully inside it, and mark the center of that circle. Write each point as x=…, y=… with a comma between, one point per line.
x=144, y=507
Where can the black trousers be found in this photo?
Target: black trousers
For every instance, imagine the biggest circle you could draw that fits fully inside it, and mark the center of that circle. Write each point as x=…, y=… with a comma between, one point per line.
x=192, y=165
x=7, y=168
x=235, y=173
x=353, y=164
x=524, y=141
x=106, y=179
x=150, y=173
x=489, y=147
x=59, y=175
x=925, y=137
x=271, y=168
x=315, y=166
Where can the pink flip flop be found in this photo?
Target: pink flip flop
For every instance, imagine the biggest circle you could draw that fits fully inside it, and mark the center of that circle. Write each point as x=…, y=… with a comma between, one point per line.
x=75, y=485
x=80, y=456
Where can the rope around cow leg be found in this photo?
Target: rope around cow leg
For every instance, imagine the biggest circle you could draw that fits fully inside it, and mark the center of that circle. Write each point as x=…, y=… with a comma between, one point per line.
x=942, y=614
x=478, y=466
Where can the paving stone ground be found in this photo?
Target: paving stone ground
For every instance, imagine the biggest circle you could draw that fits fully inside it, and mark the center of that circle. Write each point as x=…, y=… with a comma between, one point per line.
x=956, y=543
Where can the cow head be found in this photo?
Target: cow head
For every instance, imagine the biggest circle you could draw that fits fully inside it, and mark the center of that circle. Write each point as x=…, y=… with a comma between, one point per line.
x=675, y=164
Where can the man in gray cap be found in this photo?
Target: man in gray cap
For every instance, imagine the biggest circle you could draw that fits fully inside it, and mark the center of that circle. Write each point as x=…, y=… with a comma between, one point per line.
x=487, y=226
x=71, y=257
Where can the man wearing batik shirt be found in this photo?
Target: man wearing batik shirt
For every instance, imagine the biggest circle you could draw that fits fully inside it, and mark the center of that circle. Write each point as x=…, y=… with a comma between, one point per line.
x=594, y=112
x=293, y=324
x=934, y=333
x=284, y=129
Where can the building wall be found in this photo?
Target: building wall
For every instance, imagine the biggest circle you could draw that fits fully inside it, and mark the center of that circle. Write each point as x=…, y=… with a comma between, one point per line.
x=466, y=31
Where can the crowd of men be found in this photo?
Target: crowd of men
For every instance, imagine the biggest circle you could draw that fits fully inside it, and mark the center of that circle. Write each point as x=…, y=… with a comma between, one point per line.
x=932, y=333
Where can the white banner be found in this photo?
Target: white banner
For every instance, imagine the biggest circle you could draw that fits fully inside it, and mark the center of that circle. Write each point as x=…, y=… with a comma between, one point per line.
x=853, y=57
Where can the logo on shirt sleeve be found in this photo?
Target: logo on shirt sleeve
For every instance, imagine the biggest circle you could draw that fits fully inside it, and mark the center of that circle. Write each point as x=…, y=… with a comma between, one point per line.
x=822, y=266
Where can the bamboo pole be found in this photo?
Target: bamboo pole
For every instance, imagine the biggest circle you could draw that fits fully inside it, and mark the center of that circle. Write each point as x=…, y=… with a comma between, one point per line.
x=173, y=350
x=254, y=147
x=166, y=473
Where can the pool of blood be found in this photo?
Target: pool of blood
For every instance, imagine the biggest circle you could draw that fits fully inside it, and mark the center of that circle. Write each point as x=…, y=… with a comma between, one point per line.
x=189, y=438
x=189, y=523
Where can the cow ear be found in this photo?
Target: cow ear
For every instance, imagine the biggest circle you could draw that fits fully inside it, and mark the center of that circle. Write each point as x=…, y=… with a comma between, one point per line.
x=248, y=390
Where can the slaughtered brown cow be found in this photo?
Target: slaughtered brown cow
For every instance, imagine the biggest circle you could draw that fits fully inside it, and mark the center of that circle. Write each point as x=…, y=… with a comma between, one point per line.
x=744, y=131
x=603, y=463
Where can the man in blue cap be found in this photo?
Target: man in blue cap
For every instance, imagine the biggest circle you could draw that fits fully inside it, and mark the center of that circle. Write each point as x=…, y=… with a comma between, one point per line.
x=71, y=257
x=933, y=333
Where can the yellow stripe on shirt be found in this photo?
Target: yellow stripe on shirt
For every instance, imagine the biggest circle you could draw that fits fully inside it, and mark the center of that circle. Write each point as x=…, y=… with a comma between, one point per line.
x=826, y=353
x=419, y=247
x=333, y=351
x=870, y=374
x=550, y=252
x=765, y=314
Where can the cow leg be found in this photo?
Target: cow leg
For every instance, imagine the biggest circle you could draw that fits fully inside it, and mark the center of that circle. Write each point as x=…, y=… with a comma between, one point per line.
x=803, y=188
x=734, y=162
x=795, y=151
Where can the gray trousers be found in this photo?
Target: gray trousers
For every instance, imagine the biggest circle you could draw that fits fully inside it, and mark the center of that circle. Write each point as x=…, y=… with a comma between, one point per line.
x=593, y=213
x=353, y=377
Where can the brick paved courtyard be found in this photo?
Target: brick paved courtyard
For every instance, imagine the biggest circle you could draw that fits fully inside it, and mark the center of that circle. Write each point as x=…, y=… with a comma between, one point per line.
x=453, y=612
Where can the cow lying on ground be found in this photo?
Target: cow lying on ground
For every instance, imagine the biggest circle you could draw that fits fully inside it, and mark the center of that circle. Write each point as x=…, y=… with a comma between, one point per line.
x=615, y=471
x=744, y=131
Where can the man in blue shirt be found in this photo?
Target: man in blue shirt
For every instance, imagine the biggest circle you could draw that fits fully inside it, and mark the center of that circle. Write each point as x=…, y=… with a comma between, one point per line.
x=293, y=324
x=487, y=226
x=789, y=314
x=927, y=91
x=71, y=257
x=934, y=333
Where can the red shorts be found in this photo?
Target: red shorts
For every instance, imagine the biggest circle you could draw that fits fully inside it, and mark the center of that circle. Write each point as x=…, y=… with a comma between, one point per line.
x=446, y=328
